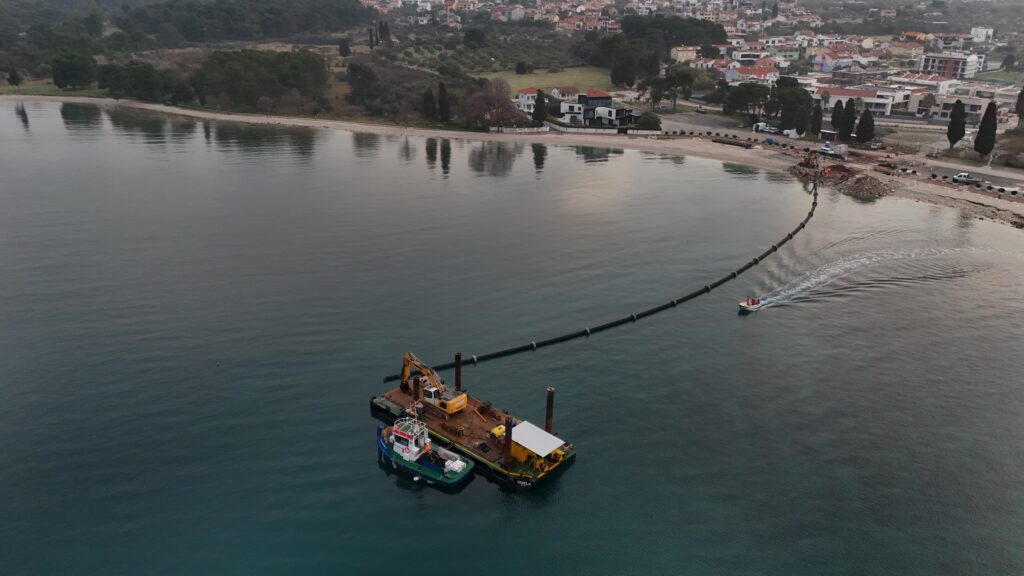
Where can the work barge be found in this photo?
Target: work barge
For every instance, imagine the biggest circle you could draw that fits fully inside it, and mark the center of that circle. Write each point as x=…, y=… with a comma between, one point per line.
x=509, y=450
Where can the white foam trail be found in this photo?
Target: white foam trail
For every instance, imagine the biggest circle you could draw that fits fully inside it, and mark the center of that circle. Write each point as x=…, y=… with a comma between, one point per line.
x=833, y=271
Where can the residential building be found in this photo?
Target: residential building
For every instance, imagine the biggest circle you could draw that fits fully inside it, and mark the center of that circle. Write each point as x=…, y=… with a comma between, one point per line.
x=957, y=65
x=525, y=99
x=683, y=53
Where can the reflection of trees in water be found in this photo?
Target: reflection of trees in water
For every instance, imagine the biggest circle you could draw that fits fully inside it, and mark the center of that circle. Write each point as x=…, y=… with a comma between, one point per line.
x=596, y=154
x=181, y=129
x=743, y=170
x=780, y=177
x=676, y=159
x=446, y=156
x=494, y=158
x=19, y=110
x=540, y=153
x=256, y=139
x=431, y=152
x=366, y=145
x=151, y=127
x=207, y=132
x=81, y=116
x=406, y=151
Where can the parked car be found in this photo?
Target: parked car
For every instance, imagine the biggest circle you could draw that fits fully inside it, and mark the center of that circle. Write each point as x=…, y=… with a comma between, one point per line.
x=966, y=178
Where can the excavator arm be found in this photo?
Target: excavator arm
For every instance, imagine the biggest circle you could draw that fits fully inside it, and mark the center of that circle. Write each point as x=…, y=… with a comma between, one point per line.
x=411, y=361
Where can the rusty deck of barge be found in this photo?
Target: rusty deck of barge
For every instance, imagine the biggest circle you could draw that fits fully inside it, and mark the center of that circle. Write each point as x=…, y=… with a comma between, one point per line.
x=469, y=431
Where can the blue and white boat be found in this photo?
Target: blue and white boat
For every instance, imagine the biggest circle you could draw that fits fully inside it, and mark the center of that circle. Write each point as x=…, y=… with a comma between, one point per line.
x=406, y=447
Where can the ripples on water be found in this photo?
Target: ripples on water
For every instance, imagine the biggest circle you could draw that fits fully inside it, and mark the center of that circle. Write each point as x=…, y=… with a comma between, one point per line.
x=195, y=315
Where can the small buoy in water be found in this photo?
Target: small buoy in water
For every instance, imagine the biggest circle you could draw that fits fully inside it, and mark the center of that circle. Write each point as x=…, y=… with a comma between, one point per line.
x=415, y=478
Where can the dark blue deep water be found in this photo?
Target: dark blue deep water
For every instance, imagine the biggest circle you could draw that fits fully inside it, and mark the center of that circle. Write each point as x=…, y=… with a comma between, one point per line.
x=194, y=316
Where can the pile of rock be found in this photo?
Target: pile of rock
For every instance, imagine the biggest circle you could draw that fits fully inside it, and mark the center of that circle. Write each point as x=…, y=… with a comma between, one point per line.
x=864, y=186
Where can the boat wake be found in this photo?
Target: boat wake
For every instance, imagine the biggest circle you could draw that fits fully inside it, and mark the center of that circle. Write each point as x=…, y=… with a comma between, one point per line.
x=821, y=280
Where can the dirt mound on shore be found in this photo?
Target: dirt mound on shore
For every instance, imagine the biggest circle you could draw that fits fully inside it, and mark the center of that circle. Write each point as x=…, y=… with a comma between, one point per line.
x=865, y=187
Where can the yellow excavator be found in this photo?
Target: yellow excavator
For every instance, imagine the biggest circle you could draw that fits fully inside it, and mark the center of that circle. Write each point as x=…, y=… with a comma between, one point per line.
x=434, y=392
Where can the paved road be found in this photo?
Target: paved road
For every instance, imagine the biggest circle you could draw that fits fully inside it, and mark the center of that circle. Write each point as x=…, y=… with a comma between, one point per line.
x=1016, y=182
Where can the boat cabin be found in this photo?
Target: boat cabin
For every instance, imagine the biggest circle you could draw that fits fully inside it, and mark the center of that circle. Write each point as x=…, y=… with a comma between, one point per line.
x=410, y=438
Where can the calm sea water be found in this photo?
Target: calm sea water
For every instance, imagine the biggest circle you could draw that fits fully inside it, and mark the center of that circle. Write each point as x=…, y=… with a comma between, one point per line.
x=194, y=316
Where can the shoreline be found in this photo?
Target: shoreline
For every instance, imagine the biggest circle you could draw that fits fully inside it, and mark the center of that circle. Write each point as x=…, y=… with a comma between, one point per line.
x=977, y=204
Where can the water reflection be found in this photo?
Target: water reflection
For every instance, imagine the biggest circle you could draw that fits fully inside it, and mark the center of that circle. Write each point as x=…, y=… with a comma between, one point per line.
x=19, y=110
x=151, y=128
x=780, y=177
x=366, y=145
x=446, y=156
x=592, y=154
x=406, y=151
x=494, y=158
x=256, y=139
x=742, y=170
x=540, y=153
x=81, y=116
x=431, y=152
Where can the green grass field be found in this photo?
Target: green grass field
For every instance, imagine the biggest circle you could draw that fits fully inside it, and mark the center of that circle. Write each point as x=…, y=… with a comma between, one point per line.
x=46, y=88
x=1001, y=77
x=583, y=78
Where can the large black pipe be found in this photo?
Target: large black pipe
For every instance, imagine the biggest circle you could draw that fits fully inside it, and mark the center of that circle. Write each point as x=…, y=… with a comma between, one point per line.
x=550, y=416
x=415, y=389
x=614, y=323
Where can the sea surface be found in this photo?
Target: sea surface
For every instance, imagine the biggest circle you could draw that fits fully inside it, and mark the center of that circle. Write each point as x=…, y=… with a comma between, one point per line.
x=194, y=316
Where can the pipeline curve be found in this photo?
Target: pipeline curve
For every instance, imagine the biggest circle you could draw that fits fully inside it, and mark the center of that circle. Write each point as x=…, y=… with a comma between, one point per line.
x=707, y=288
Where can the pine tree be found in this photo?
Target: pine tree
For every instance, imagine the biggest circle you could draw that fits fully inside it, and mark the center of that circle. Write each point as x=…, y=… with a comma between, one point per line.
x=444, y=112
x=837, y=115
x=540, y=108
x=866, y=127
x=429, y=109
x=13, y=78
x=985, y=141
x=957, y=124
x=775, y=10
x=816, y=119
x=344, y=47
x=371, y=38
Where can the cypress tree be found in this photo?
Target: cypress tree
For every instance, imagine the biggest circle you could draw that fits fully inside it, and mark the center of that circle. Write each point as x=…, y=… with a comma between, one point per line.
x=816, y=119
x=1019, y=109
x=429, y=109
x=848, y=122
x=957, y=124
x=444, y=112
x=985, y=141
x=837, y=115
x=866, y=127
x=13, y=78
x=540, y=108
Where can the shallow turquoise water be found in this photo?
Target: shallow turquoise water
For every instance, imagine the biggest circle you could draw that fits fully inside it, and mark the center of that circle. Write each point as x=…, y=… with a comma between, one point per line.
x=194, y=317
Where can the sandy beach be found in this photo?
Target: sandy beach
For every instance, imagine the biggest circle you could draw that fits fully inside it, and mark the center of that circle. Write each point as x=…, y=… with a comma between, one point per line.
x=979, y=204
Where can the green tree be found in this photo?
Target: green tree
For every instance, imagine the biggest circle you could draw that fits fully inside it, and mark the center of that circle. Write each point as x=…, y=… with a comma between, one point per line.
x=13, y=77
x=73, y=70
x=709, y=51
x=848, y=122
x=747, y=98
x=169, y=37
x=429, y=107
x=957, y=124
x=866, y=127
x=985, y=141
x=927, y=103
x=474, y=38
x=1010, y=62
x=837, y=115
x=344, y=47
x=444, y=111
x=363, y=83
x=540, y=108
x=775, y=10
x=794, y=106
x=522, y=67
x=816, y=115
x=649, y=121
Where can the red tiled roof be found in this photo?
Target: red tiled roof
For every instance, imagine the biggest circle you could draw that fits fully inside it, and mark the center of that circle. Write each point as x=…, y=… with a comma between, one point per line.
x=568, y=90
x=594, y=93
x=527, y=91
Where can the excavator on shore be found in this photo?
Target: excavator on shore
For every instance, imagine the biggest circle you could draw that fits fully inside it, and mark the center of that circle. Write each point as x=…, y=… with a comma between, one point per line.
x=435, y=393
